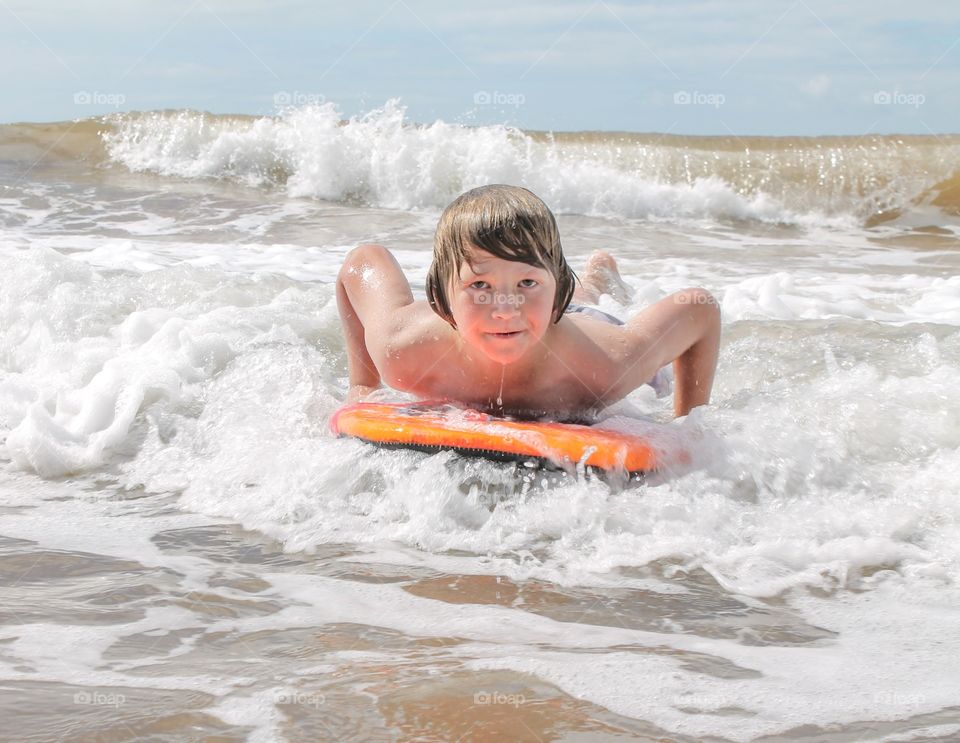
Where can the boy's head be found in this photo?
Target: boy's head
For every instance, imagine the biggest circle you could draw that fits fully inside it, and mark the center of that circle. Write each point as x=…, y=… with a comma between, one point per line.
x=508, y=222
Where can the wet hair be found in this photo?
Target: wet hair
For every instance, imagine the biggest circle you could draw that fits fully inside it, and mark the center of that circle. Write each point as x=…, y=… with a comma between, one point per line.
x=509, y=222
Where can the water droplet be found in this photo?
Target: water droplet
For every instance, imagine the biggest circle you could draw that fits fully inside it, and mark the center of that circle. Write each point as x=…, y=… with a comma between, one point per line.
x=503, y=374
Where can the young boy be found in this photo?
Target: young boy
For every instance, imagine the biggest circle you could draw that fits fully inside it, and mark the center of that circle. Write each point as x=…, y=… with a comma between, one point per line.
x=498, y=331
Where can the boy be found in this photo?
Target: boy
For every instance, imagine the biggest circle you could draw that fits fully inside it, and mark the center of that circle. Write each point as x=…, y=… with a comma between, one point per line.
x=498, y=331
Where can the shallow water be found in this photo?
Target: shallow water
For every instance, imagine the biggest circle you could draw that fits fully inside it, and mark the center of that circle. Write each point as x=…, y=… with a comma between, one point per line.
x=187, y=552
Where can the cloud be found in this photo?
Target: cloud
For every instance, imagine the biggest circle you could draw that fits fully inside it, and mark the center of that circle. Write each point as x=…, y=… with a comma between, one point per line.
x=232, y=55
x=816, y=86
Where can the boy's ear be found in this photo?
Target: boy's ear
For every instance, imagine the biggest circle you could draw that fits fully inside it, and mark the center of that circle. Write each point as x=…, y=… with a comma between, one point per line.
x=432, y=301
x=566, y=283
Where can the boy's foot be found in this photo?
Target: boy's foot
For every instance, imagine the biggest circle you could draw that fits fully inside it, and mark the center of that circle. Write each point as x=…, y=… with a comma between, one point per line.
x=602, y=276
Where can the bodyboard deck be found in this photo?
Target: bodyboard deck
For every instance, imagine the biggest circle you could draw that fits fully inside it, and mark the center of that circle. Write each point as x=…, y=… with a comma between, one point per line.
x=435, y=426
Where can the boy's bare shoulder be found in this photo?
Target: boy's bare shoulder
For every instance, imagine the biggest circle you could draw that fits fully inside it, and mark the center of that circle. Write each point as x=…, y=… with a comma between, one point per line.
x=409, y=325
x=419, y=325
x=588, y=335
x=599, y=354
x=415, y=333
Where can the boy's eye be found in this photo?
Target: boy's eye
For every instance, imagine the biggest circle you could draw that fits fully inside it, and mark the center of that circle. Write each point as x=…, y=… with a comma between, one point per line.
x=478, y=285
x=528, y=283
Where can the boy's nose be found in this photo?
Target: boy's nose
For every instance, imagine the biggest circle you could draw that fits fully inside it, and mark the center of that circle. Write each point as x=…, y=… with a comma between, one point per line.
x=505, y=309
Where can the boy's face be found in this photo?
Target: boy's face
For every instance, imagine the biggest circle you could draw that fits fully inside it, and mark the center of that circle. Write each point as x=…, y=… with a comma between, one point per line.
x=502, y=307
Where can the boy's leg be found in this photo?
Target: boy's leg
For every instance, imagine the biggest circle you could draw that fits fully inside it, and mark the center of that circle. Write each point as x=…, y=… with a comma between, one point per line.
x=602, y=277
x=371, y=287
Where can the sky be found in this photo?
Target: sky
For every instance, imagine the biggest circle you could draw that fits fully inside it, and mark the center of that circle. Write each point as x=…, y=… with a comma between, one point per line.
x=744, y=67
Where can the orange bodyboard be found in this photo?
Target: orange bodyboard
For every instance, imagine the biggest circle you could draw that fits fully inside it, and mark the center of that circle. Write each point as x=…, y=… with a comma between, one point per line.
x=434, y=426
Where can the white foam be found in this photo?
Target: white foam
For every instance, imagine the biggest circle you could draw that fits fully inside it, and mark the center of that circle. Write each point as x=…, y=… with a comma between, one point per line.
x=902, y=299
x=179, y=376
x=384, y=160
x=204, y=372
x=70, y=418
x=885, y=654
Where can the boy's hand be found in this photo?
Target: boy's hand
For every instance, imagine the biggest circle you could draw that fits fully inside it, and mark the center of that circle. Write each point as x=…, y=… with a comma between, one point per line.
x=371, y=289
x=683, y=328
x=359, y=392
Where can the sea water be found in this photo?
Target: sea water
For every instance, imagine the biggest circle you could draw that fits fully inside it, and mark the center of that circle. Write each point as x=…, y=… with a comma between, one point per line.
x=186, y=550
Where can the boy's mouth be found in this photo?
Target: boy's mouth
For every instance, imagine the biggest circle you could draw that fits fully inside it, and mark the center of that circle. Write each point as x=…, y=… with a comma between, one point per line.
x=510, y=334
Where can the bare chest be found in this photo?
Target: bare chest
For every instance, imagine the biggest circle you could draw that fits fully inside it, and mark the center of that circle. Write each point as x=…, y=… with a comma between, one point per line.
x=578, y=373
x=561, y=386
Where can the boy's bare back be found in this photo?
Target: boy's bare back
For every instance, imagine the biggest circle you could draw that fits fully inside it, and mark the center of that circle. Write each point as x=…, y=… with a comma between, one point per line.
x=576, y=365
x=494, y=332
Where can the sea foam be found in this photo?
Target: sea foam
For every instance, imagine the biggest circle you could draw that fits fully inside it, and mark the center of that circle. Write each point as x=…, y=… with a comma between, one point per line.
x=382, y=159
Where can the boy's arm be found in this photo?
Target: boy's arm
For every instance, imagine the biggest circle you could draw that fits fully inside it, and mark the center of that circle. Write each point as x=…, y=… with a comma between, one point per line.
x=370, y=288
x=683, y=328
